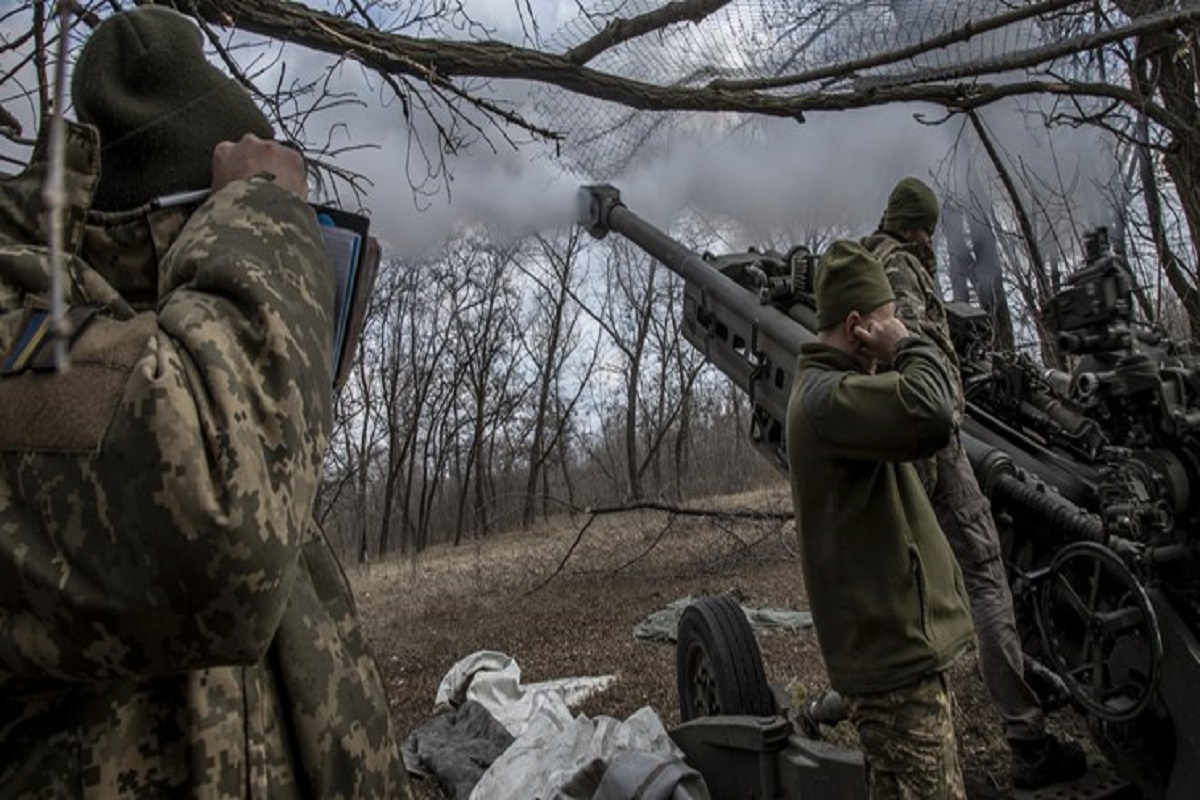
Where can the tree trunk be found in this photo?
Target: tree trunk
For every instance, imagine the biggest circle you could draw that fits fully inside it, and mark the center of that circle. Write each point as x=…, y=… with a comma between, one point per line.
x=1170, y=64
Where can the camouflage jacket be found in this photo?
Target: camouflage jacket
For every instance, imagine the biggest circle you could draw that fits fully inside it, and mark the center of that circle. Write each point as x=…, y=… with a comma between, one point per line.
x=886, y=594
x=918, y=300
x=172, y=621
x=919, y=305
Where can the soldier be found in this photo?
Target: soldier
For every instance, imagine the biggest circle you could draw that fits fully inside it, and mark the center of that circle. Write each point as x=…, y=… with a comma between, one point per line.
x=172, y=620
x=904, y=244
x=886, y=596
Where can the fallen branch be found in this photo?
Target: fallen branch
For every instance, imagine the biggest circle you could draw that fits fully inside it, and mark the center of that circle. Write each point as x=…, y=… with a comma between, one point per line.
x=654, y=505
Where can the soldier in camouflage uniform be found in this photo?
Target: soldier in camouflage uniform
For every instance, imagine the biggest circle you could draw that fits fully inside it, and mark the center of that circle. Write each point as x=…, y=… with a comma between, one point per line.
x=886, y=596
x=173, y=622
x=903, y=243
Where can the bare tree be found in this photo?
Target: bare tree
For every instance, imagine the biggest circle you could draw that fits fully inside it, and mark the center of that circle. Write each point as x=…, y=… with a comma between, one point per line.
x=1164, y=68
x=1104, y=62
x=640, y=315
x=353, y=450
x=631, y=298
x=484, y=330
x=682, y=367
x=551, y=339
x=432, y=422
x=418, y=379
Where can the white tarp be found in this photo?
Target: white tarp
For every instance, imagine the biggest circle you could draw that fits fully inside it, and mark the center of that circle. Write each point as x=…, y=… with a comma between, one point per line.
x=493, y=680
x=554, y=748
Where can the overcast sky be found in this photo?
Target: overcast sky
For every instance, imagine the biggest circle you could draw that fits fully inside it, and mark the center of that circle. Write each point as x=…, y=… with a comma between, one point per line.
x=835, y=169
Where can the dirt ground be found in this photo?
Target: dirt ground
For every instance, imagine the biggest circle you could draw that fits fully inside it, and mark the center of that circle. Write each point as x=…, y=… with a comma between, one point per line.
x=514, y=593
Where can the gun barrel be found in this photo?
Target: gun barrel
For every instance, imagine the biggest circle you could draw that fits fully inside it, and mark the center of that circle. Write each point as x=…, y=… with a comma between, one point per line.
x=1043, y=460
x=607, y=213
x=757, y=345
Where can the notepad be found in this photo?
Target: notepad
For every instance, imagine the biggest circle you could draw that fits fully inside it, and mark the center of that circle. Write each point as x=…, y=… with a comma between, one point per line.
x=354, y=257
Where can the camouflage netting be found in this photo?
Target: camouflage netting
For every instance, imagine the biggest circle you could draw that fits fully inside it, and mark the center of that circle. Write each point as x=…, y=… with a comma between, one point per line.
x=762, y=39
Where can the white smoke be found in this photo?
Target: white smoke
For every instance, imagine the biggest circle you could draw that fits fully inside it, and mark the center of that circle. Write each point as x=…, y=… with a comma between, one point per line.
x=831, y=172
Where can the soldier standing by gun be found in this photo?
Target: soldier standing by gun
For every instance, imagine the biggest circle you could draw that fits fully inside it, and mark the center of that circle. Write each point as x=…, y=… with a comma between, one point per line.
x=885, y=593
x=173, y=622
x=903, y=243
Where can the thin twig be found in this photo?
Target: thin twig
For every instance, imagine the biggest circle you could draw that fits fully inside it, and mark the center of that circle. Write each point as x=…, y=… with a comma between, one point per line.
x=963, y=33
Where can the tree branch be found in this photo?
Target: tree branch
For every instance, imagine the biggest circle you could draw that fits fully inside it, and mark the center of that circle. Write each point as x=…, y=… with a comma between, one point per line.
x=844, y=69
x=1150, y=23
x=621, y=30
x=1035, y=254
x=434, y=61
x=980, y=95
x=442, y=83
x=654, y=505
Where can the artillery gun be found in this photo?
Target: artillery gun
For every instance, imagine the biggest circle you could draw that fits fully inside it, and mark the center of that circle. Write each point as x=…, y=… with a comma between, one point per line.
x=1094, y=477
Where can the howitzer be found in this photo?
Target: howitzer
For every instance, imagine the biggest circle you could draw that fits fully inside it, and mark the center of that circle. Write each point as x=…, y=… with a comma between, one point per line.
x=1093, y=475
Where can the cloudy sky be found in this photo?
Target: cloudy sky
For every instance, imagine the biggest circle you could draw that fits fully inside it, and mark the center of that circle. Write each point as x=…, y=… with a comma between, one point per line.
x=833, y=170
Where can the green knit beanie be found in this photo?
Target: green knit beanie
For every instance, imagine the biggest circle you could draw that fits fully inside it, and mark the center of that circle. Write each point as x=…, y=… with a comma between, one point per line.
x=911, y=206
x=160, y=106
x=849, y=279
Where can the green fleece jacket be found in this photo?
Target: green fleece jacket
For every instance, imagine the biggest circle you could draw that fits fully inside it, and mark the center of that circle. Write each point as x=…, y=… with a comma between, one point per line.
x=884, y=589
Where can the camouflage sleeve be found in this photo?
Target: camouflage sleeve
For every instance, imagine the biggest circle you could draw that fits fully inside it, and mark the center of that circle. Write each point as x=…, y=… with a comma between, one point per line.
x=910, y=299
x=911, y=310
x=185, y=537
x=21, y=199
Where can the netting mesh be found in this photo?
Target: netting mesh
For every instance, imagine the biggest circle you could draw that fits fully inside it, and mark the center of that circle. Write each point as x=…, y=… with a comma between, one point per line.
x=759, y=39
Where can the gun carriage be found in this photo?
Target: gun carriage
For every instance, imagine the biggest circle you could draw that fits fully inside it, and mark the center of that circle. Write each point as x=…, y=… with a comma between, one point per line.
x=1093, y=474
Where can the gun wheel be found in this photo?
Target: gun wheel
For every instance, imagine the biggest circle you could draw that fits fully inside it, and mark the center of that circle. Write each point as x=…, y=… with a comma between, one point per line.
x=718, y=665
x=1100, y=631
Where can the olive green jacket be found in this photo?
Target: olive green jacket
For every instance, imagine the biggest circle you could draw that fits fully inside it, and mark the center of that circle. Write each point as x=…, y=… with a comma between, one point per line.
x=884, y=589
x=173, y=622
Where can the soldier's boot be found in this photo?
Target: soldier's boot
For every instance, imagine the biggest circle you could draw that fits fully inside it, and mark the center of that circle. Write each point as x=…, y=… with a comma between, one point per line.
x=1044, y=761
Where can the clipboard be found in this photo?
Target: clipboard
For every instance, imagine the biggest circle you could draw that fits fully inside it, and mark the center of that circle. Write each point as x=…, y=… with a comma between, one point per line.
x=354, y=256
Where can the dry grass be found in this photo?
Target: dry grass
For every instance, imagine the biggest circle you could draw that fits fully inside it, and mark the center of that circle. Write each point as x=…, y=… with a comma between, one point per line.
x=425, y=614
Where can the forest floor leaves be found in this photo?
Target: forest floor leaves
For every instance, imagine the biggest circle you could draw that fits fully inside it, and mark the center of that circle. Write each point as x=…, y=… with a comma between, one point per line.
x=424, y=614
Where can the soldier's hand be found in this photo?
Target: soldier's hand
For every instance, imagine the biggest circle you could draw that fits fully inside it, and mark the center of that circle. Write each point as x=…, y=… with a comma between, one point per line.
x=233, y=161
x=879, y=337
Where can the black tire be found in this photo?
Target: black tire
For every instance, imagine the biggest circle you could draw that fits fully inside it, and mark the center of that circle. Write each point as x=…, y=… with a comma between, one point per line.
x=718, y=666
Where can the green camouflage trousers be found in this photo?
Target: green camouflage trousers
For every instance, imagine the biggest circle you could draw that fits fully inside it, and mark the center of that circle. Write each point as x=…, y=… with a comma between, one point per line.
x=965, y=515
x=908, y=742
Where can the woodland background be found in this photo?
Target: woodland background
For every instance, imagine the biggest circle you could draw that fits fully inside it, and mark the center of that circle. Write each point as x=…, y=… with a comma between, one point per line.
x=513, y=369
